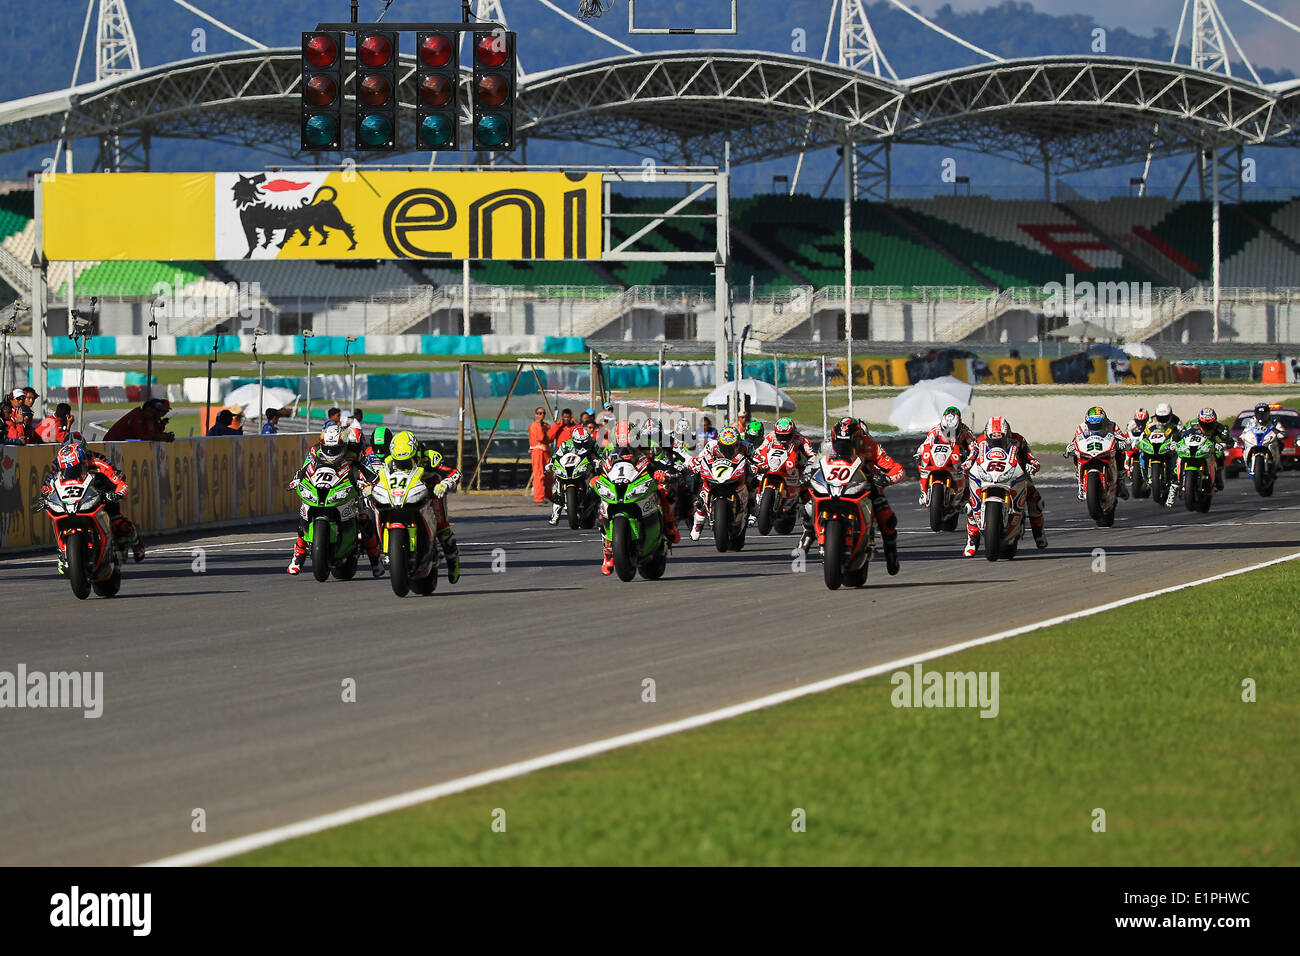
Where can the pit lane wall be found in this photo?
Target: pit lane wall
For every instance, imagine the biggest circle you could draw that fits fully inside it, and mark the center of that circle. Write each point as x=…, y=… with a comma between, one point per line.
x=174, y=486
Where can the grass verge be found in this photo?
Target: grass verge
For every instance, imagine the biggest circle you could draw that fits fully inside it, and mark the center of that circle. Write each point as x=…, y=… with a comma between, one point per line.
x=1137, y=711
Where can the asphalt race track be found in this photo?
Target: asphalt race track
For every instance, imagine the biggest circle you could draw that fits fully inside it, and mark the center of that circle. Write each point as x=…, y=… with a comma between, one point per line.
x=222, y=689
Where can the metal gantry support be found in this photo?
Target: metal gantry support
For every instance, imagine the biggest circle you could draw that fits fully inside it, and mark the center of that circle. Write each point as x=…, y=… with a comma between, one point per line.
x=118, y=55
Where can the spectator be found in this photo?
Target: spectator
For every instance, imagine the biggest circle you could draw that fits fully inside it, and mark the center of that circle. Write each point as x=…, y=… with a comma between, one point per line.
x=706, y=432
x=335, y=415
x=223, y=425
x=270, y=421
x=17, y=426
x=29, y=399
x=540, y=450
x=588, y=420
x=237, y=419
x=146, y=423
x=357, y=417
x=560, y=431
x=55, y=429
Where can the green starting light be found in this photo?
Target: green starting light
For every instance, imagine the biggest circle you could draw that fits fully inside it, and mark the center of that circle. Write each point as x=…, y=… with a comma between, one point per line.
x=375, y=130
x=436, y=130
x=492, y=130
x=320, y=130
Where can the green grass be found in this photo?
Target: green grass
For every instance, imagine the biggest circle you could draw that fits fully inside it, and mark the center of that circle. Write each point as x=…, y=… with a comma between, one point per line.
x=1136, y=711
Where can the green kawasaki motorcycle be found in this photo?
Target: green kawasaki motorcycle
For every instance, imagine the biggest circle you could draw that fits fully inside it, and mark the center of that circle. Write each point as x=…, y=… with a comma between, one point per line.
x=1160, y=460
x=572, y=488
x=1195, y=453
x=631, y=520
x=330, y=509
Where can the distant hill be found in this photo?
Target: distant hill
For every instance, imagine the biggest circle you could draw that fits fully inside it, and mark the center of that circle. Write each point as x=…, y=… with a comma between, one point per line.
x=166, y=32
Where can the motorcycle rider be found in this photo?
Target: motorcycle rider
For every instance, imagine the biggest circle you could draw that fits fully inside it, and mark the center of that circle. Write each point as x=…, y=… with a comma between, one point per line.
x=406, y=451
x=951, y=430
x=72, y=460
x=753, y=436
x=580, y=442
x=627, y=447
x=333, y=451
x=1165, y=416
x=849, y=439
x=998, y=434
x=1097, y=424
x=786, y=436
x=728, y=446
x=1262, y=419
x=1208, y=424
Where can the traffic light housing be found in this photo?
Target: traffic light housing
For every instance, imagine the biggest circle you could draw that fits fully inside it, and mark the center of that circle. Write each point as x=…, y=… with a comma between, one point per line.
x=492, y=92
x=376, y=90
x=437, y=90
x=322, y=91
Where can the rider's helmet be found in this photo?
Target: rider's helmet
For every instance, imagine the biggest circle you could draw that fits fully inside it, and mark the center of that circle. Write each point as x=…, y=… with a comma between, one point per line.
x=997, y=433
x=1164, y=413
x=1208, y=418
x=729, y=442
x=1141, y=418
x=627, y=443
x=1262, y=414
x=844, y=438
x=583, y=441
x=403, y=449
x=784, y=431
x=1095, y=419
x=333, y=443
x=950, y=423
x=754, y=431
x=71, y=459
x=380, y=440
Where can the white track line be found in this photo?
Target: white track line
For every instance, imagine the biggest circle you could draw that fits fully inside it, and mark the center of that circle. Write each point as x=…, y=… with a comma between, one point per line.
x=254, y=841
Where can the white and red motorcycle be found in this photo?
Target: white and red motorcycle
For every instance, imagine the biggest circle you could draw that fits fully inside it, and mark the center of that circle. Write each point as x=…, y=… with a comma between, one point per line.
x=778, y=490
x=998, y=489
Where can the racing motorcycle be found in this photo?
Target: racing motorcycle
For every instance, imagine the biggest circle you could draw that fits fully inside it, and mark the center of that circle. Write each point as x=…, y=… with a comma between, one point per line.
x=84, y=532
x=843, y=519
x=725, y=495
x=1195, y=453
x=1260, y=446
x=572, y=488
x=1159, y=451
x=1096, y=456
x=946, y=491
x=1133, y=468
x=998, y=488
x=407, y=526
x=778, y=490
x=631, y=520
x=330, y=508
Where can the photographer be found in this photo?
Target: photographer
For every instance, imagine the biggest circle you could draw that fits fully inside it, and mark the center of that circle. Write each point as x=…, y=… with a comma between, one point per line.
x=146, y=423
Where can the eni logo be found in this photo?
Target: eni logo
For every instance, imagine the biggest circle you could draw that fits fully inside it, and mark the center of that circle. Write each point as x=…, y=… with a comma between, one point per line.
x=413, y=212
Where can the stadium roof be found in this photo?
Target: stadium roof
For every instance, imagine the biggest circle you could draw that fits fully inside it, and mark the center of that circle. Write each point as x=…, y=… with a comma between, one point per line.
x=1078, y=112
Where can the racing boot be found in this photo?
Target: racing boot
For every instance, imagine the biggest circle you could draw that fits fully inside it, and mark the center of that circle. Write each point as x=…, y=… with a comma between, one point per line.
x=447, y=538
x=1040, y=533
x=1218, y=477
x=890, y=542
x=697, y=526
x=63, y=563
x=972, y=542
x=888, y=522
x=607, y=565
x=295, y=563
x=376, y=566
x=1121, y=487
x=555, y=513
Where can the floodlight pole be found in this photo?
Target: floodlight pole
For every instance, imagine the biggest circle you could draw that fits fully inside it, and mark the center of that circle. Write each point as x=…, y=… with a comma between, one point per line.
x=824, y=412
x=307, y=334
x=153, y=337
x=848, y=266
x=207, y=414
x=261, y=370
x=1214, y=233
x=352, y=386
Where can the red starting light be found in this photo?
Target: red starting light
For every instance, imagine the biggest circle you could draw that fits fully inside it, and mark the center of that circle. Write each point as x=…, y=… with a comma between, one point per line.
x=435, y=49
x=320, y=51
x=374, y=90
x=374, y=50
x=320, y=90
x=492, y=90
x=492, y=50
x=436, y=90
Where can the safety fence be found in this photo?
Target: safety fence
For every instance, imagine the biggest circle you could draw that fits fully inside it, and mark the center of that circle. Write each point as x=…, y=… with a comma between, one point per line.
x=174, y=486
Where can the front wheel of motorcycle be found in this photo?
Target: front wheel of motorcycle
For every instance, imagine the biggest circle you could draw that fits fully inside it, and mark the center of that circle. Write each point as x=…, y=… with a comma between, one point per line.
x=833, y=554
x=398, y=570
x=765, y=506
x=624, y=548
x=1158, y=489
x=721, y=523
x=79, y=566
x=320, y=549
x=1191, y=485
x=938, y=505
x=1263, y=477
x=1092, y=494
x=993, y=529
x=574, y=507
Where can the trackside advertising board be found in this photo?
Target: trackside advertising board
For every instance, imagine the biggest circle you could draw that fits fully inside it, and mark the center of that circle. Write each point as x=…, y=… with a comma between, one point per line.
x=344, y=214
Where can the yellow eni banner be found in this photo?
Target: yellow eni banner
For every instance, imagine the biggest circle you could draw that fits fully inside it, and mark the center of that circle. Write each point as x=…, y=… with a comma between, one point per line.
x=347, y=214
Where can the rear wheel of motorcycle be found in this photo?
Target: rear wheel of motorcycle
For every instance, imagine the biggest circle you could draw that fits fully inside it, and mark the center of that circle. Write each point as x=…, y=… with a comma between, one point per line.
x=79, y=566
x=950, y=523
x=766, y=505
x=938, y=505
x=783, y=524
x=1205, y=500
x=992, y=529
x=398, y=572
x=624, y=549
x=721, y=523
x=320, y=549
x=428, y=584
x=1092, y=494
x=110, y=587
x=738, y=540
x=347, y=570
x=1107, y=518
x=653, y=569
x=855, y=579
x=571, y=503
x=833, y=554
x=589, y=519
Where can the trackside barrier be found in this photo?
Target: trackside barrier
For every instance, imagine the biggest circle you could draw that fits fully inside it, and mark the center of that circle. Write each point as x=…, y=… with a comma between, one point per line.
x=174, y=486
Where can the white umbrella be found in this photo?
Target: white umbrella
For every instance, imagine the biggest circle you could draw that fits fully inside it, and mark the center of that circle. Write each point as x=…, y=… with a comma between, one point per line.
x=272, y=397
x=761, y=395
x=920, y=407
x=1140, y=350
